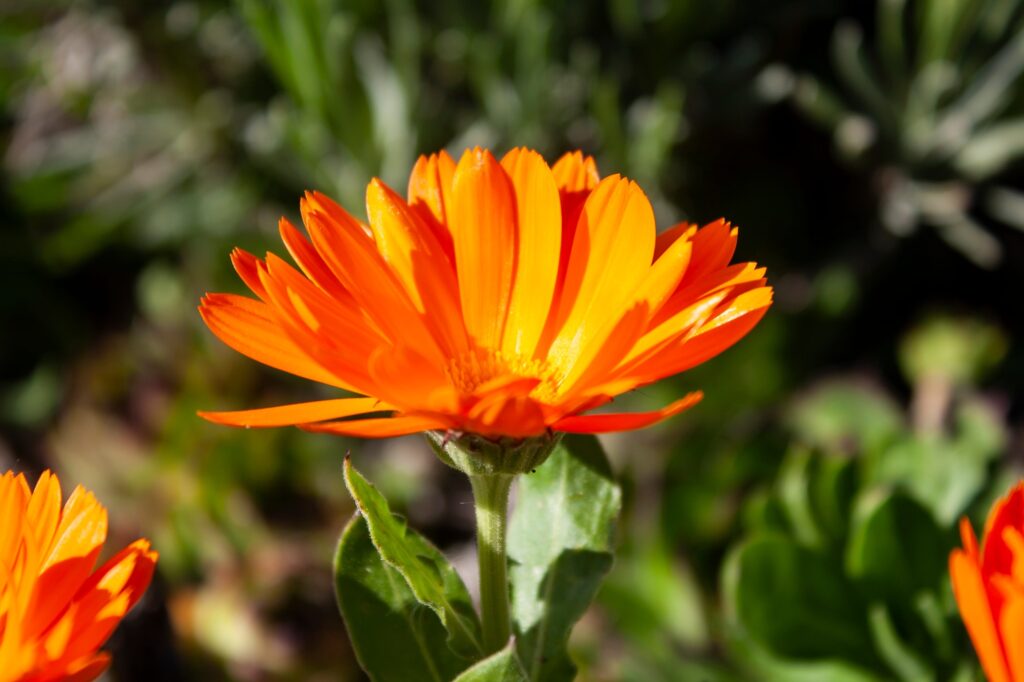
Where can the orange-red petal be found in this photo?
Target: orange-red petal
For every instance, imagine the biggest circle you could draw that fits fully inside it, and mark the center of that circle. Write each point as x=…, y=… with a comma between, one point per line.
x=384, y=427
x=625, y=421
x=297, y=413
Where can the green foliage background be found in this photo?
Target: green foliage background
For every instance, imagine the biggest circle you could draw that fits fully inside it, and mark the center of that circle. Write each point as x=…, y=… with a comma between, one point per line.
x=871, y=153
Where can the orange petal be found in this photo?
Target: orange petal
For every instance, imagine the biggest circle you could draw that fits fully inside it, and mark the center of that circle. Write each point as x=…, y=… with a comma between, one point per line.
x=44, y=510
x=678, y=327
x=511, y=415
x=604, y=423
x=1011, y=627
x=574, y=172
x=417, y=259
x=576, y=176
x=665, y=275
x=611, y=254
x=82, y=529
x=89, y=669
x=250, y=328
x=674, y=356
x=352, y=256
x=539, y=225
x=483, y=224
x=297, y=413
x=976, y=612
x=737, y=278
x=430, y=184
x=129, y=571
x=679, y=231
x=605, y=351
x=307, y=258
x=248, y=267
x=403, y=376
x=968, y=538
x=996, y=555
x=384, y=427
x=713, y=248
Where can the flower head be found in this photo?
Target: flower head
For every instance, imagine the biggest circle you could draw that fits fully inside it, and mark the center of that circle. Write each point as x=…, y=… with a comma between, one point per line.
x=55, y=610
x=500, y=299
x=989, y=588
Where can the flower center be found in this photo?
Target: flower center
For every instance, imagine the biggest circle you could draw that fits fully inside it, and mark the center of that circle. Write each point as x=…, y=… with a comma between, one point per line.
x=482, y=370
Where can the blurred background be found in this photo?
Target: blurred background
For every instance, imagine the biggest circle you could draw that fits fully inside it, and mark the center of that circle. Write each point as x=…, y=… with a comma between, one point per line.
x=871, y=152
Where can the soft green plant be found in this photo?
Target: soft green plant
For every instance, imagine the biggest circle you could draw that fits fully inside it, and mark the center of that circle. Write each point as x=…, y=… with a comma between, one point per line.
x=930, y=104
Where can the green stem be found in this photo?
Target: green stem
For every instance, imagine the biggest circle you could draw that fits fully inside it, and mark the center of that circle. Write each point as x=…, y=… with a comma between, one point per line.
x=490, y=495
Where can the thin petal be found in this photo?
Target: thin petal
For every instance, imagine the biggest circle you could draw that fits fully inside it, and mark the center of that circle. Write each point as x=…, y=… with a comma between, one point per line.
x=419, y=262
x=574, y=172
x=248, y=267
x=1011, y=627
x=297, y=413
x=576, y=176
x=604, y=423
x=352, y=256
x=666, y=238
x=307, y=258
x=713, y=248
x=1008, y=512
x=665, y=275
x=539, y=225
x=976, y=612
x=673, y=357
x=483, y=223
x=251, y=328
x=44, y=510
x=430, y=185
x=384, y=427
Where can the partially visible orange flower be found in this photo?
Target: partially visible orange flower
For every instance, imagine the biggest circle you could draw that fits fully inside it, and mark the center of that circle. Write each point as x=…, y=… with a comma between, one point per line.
x=55, y=610
x=989, y=588
x=500, y=299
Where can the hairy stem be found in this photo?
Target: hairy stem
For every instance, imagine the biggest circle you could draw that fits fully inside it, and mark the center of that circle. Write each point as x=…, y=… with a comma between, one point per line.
x=490, y=495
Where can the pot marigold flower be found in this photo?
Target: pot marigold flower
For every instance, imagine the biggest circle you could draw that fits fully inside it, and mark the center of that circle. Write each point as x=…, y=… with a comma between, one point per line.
x=502, y=299
x=989, y=588
x=55, y=610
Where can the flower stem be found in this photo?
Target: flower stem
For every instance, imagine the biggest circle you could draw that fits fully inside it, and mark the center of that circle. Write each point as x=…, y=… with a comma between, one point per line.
x=490, y=495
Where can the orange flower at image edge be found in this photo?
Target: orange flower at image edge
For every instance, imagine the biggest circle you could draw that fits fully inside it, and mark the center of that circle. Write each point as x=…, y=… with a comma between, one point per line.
x=55, y=610
x=989, y=588
x=500, y=298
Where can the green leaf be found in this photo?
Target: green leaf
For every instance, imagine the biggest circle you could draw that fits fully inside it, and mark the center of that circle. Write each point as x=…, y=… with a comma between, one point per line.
x=908, y=664
x=843, y=416
x=655, y=601
x=559, y=545
x=429, y=575
x=504, y=666
x=384, y=617
x=763, y=665
x=896, y=548
x=795, y=602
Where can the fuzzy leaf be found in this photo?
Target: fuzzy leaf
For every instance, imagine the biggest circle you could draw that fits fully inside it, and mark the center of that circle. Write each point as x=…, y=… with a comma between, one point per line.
x=560, y=542
x=431, y=578
x=383, y=616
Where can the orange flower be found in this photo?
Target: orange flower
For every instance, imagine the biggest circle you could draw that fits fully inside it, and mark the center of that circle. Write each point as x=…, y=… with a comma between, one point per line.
x=989, y=588
x=55, y=610
x=502, y=299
